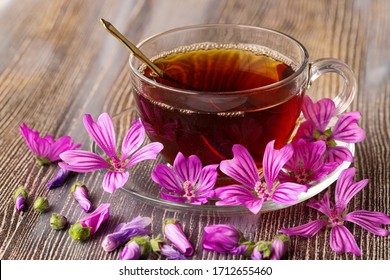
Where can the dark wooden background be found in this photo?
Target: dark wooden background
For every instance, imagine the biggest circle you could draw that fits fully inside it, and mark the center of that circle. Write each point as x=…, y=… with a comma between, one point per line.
x=57, y=63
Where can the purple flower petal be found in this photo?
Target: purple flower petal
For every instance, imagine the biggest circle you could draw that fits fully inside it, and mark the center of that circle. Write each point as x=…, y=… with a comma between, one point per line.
x=82, y=161
x=256, y=254
x=63, y=144
x=165, y=177
x=187, y=169
x=342, y=241
x=207, y=179
x=346, y=188
x=310, y=153
x=307, y=230
x=287, y=193
x=20, y=203
x=170, y=253
x=278, y=249
x=114, y=180
x=338, y=154
x=347, y=130
x=133, y=140
x=320, y=113
x=322, y=205
x=274, y=160
x=238, y=195
x=80, y=193
x=173, y=198
x=147, y=152
x=102, y=132
x=96, y=218
x=242, y=167
x=202, y=198
x=371, y=221
x=305, y=132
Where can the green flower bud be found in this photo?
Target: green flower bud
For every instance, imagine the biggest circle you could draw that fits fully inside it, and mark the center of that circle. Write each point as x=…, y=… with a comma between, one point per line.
x=78, y=232
x=58, y=221
x=41, y=204
x=20, y=191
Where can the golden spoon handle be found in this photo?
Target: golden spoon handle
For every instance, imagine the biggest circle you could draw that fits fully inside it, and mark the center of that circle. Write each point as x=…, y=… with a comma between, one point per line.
x=132, y=47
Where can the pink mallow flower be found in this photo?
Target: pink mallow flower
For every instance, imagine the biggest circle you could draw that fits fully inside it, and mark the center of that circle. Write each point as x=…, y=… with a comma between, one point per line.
x=316, y=127
x=222, y=238
x=307, y=165
x=88, y=225
x=272, y=250
x=47, y=150
x=341, y=239
x=254, y=191
x=137, y=248
x=116, y=163
x=188, y=182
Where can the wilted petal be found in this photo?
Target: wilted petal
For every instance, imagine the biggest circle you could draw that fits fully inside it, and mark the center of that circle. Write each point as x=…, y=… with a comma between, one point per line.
x=82, y=161
x=207, y=179
x=114, y=180
x=59, y=179
x=164, y=176
x=347, y=129
x=274, y=160
x=307, y=230
x=102, y=132
x=133, y=140
x=371, y=221
x=238, y=195
x=338, y=154
x=80, y=193
x=188, y=169
x=346, y=188
x=342, y=241
x=242, y=167
x=147, y=152
x=96, y=218
x=171, y=254
x=322, y=205
x=320, y=113
x=287, y=193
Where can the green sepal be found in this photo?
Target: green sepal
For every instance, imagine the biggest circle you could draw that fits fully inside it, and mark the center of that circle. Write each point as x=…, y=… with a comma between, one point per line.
x=331, y=143
x=249, y=249
x=328, y=132
x=58, y=221
x=20, y=191
x=41, y=204
x=284, y=238
x=155, y=243
x=78, y=232
x=43, y=161
x=144, y=242
x=265, y=247
x=316, y=134
x=75, y=185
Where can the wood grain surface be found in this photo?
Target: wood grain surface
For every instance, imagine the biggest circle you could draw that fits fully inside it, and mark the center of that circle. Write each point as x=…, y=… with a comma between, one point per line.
x=57, y=63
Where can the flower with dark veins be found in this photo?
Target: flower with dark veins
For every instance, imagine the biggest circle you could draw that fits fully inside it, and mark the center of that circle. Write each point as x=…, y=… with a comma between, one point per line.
x=253, y=191
x=116, y=163
x=187, y=182
x=341, y=239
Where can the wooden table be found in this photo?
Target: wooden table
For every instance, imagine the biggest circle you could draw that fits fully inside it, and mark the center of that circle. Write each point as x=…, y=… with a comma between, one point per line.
x=58, y=63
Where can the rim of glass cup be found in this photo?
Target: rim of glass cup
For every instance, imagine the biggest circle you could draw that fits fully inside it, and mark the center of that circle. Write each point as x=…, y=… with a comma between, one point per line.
x=282, y=82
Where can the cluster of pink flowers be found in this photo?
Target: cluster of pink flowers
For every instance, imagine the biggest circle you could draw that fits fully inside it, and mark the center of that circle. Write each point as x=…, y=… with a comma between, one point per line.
x=287, y=172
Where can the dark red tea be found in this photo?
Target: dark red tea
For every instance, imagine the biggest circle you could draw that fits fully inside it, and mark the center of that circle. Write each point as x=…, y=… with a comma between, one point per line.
x=209, y=121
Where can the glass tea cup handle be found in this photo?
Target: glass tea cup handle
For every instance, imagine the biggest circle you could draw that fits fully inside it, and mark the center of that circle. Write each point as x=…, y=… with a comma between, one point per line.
x=331, y=65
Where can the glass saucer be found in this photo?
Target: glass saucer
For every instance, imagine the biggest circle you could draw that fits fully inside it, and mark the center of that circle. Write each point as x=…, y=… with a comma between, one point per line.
x=142, y=187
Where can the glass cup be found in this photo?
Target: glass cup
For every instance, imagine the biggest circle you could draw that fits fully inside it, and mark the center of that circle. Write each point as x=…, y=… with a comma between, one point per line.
x=205, y=119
